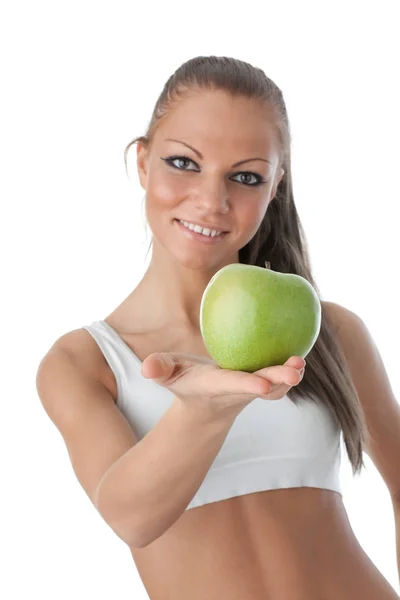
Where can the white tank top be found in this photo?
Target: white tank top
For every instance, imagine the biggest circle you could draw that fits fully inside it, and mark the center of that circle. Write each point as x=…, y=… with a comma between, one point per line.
x=271, y=445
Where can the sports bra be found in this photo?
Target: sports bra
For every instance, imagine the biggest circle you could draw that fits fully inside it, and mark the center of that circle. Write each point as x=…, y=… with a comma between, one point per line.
x=271, y=445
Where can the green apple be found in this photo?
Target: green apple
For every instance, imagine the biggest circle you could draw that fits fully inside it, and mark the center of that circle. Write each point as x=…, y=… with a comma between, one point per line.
x=252, y=317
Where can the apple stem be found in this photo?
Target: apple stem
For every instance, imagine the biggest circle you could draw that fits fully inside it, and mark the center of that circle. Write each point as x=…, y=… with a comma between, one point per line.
x=267, y=264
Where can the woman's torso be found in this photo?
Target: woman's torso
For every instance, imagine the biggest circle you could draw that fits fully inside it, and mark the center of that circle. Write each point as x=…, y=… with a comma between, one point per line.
x=284, y=544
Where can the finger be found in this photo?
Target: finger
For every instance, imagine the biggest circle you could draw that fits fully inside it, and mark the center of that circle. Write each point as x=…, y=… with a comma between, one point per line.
x=280, y=374
x=277, y=392
x=295, y=361
x=159, y=366
x=250, y=383
x=280, y=390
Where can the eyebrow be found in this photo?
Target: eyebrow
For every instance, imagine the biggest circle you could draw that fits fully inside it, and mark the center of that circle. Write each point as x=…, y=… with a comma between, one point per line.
x=199, y=154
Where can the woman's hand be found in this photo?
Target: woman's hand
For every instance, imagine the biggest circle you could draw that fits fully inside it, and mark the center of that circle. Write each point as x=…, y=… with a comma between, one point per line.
x=201, y=384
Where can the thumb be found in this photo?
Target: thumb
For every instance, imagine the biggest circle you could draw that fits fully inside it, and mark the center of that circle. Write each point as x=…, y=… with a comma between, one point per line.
x=158, y=365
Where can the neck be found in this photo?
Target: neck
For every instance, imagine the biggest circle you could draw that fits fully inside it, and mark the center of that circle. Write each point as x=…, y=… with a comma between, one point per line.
x=172, y=291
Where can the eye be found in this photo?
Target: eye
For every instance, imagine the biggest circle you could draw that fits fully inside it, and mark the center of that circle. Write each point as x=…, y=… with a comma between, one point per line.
x=258, y=179
x=170, y=160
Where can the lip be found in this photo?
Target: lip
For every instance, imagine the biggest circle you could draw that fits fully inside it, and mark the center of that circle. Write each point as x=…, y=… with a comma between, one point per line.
x=205, y=226
x=198, y=237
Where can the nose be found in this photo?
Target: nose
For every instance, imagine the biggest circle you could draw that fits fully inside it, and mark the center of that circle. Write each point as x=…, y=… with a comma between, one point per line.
x=212, y=196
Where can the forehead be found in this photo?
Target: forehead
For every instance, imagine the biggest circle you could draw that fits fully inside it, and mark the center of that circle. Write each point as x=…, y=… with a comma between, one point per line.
x=215, y=118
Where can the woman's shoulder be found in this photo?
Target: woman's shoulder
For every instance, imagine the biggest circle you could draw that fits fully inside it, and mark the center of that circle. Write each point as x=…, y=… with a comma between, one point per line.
x=86, y=352
x=333, y=312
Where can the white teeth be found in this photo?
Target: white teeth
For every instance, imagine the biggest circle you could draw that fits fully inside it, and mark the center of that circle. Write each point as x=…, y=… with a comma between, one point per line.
x=198, y=229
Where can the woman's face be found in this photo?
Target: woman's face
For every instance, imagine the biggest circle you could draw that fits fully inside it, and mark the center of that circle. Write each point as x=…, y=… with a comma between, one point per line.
x=209, y=189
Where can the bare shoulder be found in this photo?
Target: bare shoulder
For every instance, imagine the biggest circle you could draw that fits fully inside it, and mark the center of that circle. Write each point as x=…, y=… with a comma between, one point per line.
x=81, y=345
x=334, y=313
x=343, y=319
x=351, y=332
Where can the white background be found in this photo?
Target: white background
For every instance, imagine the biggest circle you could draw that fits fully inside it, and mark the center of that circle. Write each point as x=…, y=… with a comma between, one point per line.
x=80, y=80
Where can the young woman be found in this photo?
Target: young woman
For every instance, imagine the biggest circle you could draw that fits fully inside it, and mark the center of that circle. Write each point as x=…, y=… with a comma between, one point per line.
x=224, y=484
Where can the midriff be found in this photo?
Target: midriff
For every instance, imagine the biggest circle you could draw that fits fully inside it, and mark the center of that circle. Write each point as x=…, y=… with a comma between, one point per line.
x=287, y=544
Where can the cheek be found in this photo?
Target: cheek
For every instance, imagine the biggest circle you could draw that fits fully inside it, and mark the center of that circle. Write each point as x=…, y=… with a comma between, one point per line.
x=166, y=191
x=250, y=211
x=161, y=193
x=249, y=214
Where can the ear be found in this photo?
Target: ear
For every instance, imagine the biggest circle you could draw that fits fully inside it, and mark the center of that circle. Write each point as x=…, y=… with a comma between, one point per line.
x=141, y=161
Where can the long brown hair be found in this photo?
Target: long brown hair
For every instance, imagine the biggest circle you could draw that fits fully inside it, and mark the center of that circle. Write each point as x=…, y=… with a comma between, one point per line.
x=280, y=239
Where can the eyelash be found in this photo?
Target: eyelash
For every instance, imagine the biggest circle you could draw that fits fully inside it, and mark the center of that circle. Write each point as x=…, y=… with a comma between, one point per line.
x=170, y=160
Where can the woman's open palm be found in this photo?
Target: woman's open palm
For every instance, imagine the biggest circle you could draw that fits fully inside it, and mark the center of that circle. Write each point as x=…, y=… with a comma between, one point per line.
x=199, y=381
